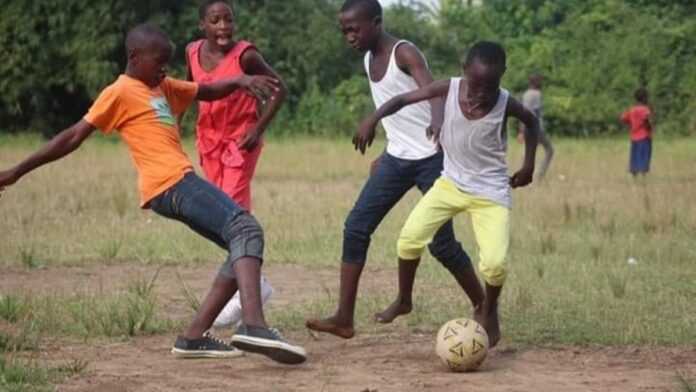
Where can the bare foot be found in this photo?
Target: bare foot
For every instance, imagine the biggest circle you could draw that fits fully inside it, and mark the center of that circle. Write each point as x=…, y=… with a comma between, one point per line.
x=490, y=323
x=330, y=325
x=396, y=309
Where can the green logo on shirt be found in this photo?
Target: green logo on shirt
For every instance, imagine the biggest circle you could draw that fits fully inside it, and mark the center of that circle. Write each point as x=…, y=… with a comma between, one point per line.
x=162, y=111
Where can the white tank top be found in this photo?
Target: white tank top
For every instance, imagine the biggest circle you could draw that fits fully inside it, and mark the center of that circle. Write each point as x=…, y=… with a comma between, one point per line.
x=405, y=129
x=475, y=150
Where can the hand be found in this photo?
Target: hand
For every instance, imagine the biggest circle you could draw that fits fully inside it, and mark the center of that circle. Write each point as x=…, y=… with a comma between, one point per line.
x=251, y=140
x=264, y=87
x=7, y=177
x=433, y=134
x=365, y=135
x=522, y=177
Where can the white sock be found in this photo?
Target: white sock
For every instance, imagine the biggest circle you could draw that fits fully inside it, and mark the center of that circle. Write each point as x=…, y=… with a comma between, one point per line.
x=231, y=314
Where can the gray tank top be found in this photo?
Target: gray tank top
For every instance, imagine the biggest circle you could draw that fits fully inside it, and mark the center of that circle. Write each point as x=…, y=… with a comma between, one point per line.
x=475, y=150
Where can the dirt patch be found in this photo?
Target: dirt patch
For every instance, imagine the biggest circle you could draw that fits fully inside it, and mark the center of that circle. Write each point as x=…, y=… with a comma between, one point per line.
x=379, y=363
x=368, y=363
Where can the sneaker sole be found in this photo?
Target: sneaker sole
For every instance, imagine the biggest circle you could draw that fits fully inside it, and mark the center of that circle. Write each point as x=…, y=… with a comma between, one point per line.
x=191, y=354
x=277, y=351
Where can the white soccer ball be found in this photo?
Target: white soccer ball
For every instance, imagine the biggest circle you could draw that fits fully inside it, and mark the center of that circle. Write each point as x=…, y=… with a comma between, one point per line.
x=462, y=345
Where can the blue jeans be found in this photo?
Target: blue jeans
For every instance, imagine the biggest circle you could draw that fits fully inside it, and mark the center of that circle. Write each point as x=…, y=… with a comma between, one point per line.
x=394, y=177
x=211, y=213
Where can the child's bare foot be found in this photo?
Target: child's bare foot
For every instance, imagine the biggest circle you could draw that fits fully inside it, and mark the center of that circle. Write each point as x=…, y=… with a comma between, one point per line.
x=396, y=309
x=330, y=325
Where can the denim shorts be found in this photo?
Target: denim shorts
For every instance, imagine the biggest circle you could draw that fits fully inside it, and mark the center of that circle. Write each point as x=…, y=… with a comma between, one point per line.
x=211, y=213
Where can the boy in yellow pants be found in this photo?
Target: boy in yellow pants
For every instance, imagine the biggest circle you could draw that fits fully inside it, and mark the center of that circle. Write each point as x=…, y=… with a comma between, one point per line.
x=474, y=180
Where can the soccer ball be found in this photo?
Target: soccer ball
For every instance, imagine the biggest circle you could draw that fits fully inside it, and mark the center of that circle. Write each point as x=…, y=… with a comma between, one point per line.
x=462, y=345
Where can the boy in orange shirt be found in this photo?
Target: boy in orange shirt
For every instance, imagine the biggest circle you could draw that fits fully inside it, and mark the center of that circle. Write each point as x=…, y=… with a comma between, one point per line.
x=142, y=106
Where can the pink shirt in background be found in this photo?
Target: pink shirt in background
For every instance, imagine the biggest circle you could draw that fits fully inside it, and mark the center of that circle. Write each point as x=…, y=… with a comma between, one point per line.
x=222, y=125
x=637, y=118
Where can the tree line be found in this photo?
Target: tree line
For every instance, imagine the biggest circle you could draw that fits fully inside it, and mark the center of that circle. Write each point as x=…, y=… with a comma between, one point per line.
x=57, y=55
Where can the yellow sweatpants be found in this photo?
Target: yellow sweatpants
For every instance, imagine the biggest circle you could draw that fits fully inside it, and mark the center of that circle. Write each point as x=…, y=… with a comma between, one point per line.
x=491, y=223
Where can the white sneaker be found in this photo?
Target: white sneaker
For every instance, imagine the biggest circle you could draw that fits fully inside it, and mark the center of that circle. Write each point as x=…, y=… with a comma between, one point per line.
x=231, y=314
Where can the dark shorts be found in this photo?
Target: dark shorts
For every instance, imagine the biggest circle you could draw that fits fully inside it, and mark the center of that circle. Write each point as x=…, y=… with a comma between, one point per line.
x=211, y=213
x=392, y=178
x=641, y=153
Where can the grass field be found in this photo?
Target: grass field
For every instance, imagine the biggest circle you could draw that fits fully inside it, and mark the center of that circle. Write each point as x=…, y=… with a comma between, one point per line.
x=572, y=237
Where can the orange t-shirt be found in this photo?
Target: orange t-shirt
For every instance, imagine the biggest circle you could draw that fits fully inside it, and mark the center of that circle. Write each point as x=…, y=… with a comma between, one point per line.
x=146, y=120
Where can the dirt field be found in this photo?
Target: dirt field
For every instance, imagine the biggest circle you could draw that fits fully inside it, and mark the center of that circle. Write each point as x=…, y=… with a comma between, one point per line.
x=400, y=361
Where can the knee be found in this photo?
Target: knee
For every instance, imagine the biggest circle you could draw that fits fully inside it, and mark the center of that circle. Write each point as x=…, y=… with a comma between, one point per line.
x=493, y=268
x=356, y=228
x=356, y=241
x=409, y=247
x=245, y=237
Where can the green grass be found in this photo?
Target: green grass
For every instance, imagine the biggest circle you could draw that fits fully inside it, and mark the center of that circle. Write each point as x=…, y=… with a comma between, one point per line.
x=570, y=282
x=26, y=375
x=132, y=312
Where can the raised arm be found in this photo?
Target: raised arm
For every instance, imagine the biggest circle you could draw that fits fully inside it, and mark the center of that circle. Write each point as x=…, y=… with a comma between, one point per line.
x=412, y=61
x=366, y=133
x=61, y=145
x=254, y=64
x=531, y=137
x=261, y=86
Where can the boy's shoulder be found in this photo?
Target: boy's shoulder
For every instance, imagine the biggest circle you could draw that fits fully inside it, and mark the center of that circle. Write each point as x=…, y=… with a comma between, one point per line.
x=404, y=46
x=116, y=88
x=407, y=53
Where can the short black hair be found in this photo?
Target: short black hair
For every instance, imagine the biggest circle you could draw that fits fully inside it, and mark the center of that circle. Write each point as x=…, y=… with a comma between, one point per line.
x=641, y=95
x=205, y=4
x=487, y=52
x=370, y=8
x=142, y=35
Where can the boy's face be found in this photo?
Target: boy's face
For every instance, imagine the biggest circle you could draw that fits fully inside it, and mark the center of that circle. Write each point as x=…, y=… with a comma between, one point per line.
x=150, y=62
x=218, y=25
x=483, y=82
x=361, y=32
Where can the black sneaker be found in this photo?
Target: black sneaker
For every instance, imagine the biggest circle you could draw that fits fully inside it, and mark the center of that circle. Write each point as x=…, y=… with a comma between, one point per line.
x=268, y=342
x=205, y=347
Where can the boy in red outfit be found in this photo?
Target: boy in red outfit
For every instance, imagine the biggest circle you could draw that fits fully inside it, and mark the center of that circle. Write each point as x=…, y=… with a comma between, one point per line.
x=229, y=131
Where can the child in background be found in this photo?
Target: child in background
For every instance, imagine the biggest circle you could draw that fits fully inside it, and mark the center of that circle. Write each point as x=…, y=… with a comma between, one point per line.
x=229, y=131
x=638, y=119
x=532, y=100
x=475, y=176
x=141, y=106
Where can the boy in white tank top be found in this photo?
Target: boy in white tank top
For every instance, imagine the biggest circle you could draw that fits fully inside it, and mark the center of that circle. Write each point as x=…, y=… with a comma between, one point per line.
x=474, y=178
x=393, y=67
